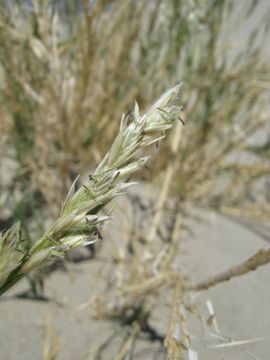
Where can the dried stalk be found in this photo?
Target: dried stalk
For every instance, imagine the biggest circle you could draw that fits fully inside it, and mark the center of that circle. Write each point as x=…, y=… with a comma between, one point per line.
x=262, y=257
x=51, y=344
x=164, y=259
x=176, y=341
x=129, y=343
x=151, y=284
x=171, y=168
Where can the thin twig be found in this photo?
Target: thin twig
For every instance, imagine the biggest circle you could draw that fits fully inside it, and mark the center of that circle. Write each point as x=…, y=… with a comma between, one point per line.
x=262, y=257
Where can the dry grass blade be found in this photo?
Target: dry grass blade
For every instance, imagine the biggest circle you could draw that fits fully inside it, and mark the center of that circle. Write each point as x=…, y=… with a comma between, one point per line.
x=234, y=343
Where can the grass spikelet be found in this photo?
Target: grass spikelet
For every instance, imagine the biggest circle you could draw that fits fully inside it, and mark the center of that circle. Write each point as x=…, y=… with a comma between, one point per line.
x=79, y=220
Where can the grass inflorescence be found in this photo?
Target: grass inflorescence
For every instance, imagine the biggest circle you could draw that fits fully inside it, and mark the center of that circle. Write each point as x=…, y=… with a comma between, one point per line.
x=79, y=220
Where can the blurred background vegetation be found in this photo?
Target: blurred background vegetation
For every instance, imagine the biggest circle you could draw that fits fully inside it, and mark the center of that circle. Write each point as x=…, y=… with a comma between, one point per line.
x=69, y=69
